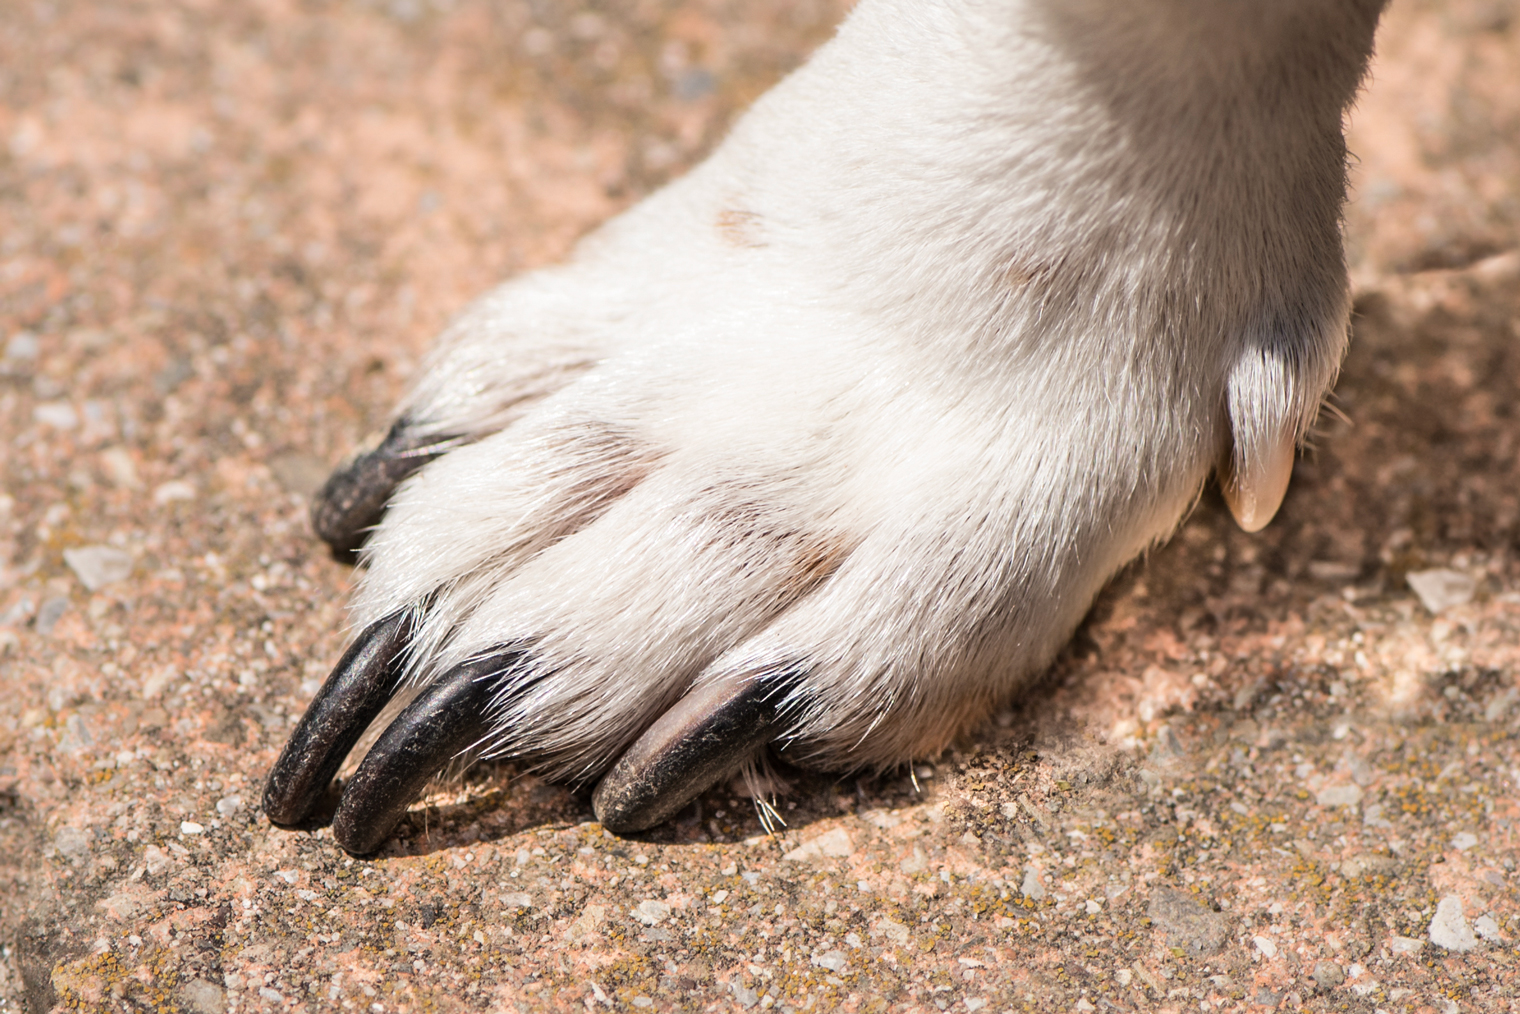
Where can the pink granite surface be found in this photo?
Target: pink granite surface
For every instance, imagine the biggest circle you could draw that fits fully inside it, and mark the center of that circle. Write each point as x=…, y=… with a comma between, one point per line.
x=1266, y=775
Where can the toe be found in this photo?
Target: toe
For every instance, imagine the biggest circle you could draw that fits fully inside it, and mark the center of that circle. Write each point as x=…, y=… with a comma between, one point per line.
x=705, y=738
x=353, y=500
x=444, y=721
x=356, y=692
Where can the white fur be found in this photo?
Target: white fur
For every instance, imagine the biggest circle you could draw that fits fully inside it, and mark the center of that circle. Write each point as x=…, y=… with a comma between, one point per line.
x=956, y=322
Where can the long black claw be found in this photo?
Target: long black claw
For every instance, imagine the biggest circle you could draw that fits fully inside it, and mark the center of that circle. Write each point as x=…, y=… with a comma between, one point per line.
x=445, y=720
x=705, y=738
x=353, y=499
x=359, y=687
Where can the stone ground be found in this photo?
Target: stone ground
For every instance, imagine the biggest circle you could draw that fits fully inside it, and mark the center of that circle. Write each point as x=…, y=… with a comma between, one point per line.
x=1267, y=774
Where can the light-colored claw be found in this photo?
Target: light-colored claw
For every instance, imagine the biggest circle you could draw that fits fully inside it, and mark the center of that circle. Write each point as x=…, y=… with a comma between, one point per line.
x=1256, y=491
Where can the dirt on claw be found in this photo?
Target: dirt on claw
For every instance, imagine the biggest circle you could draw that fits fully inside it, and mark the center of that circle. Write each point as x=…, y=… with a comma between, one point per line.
x=231, y=228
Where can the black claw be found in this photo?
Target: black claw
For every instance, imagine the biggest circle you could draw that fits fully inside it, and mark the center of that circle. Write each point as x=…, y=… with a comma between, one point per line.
x=358, y=689
x=445, y=720
x=353, y=499
x=705, y=738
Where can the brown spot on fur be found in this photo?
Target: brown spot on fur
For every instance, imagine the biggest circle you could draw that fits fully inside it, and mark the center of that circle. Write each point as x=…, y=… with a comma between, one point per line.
x=817, y=561
x=605, y=462
x=740, y=228
x=612, y=459
x=1020, y=274
x=811, y=557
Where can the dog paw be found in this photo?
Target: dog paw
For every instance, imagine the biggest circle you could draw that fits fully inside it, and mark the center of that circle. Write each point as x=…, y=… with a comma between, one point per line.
x=825, y=448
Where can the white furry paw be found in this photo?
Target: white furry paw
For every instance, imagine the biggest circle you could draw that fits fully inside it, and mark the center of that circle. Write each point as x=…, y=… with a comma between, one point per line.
x=829, y=446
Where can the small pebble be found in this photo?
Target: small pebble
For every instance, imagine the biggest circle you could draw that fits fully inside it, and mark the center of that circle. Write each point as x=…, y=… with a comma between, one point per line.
x=694, y=83
x=1449, y=928
x=60, y=415
x=651, y=913
x=1328, y=974
x=1189, y=923
x=203, y=997
x=834, y=843
x=1440, y=589
x=1499, y=706
x=73, y=842
x=120, y=468
x=1339, y=795
x=175, y=489
x=1488, y=928
x=51, y=612
x=98, y=566
x=18, y=613
x=23, y=346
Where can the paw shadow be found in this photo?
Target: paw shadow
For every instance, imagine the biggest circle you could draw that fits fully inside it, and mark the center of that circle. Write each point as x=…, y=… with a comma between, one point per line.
x=493, y=803
x=489, y=803
x=1413, y=466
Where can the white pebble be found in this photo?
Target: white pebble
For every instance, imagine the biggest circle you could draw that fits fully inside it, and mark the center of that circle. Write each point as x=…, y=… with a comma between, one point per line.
x=1500, y=705
x=1449, y=928
x=1488, y=928
x=23, y=345
x=651, y=913
x=58, y=414
x=120, y=467
x=98, y=566
x=1440, y=588
x=174, y=489
x=1339, y=795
